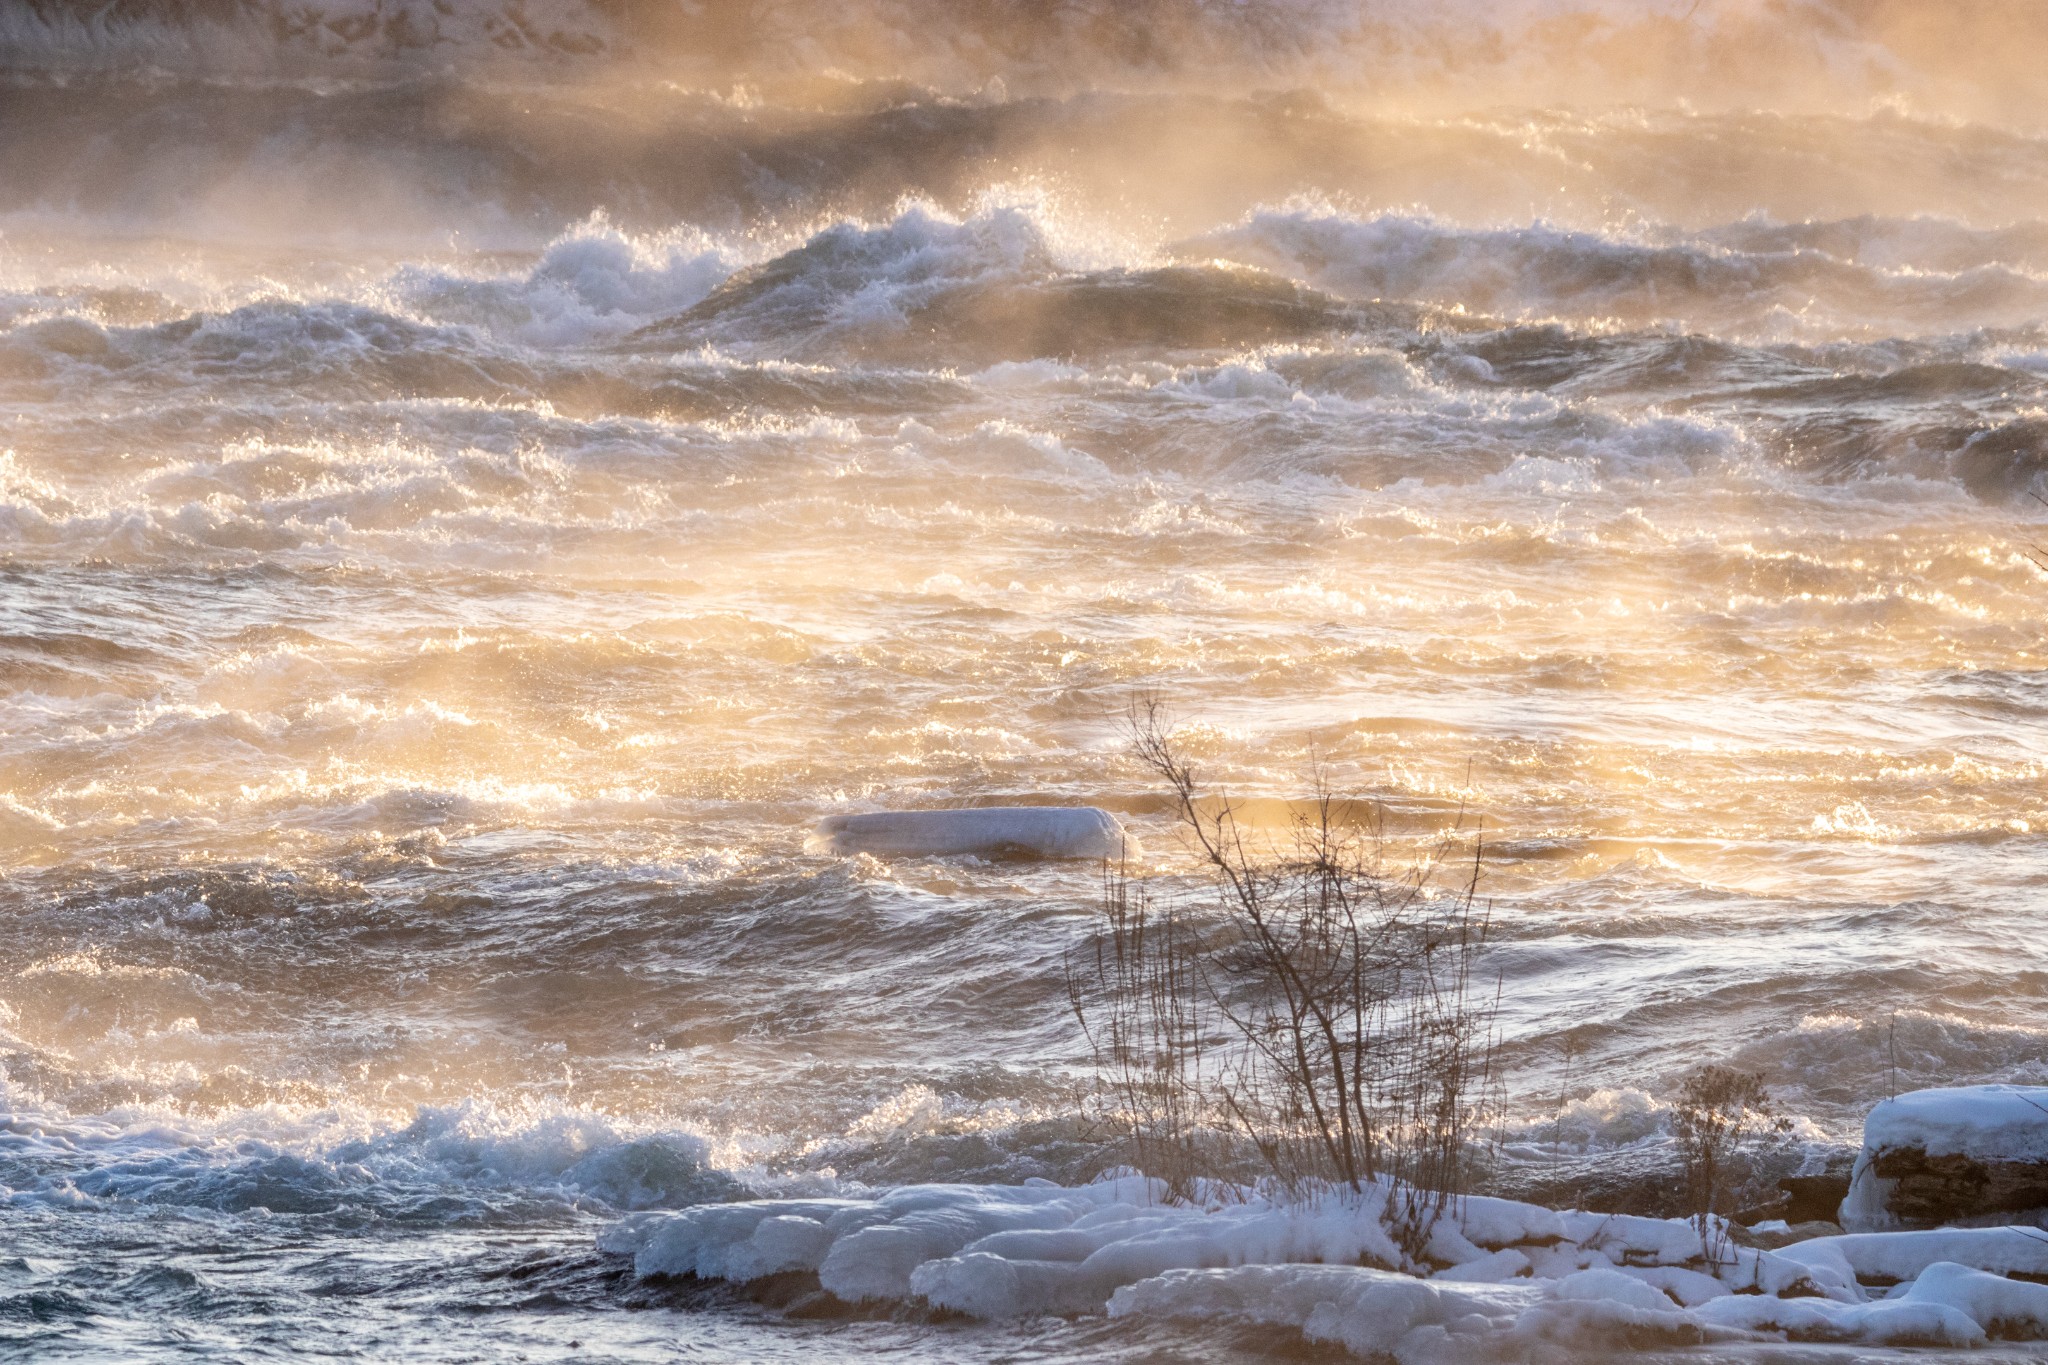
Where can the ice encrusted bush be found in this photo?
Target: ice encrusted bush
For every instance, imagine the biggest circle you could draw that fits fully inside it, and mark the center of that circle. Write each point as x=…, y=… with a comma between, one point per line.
x=1318, y=1011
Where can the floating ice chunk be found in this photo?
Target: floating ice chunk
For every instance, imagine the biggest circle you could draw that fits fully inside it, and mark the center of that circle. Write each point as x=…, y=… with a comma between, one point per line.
x=1036, y=831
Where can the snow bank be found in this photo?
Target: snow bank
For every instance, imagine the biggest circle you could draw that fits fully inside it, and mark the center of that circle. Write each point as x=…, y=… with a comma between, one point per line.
x=1496, y=1280
x=1887, y=1257
x=1948, y=1305
x=1372, y=1312
x=1378, y=1314
x=1040, y=831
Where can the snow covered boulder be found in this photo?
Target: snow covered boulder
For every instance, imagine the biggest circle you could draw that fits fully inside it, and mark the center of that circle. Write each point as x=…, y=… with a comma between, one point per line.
x=1976, y=1153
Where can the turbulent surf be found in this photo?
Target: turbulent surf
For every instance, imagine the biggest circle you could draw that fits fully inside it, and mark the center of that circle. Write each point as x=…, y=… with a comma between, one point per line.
x=481, y=482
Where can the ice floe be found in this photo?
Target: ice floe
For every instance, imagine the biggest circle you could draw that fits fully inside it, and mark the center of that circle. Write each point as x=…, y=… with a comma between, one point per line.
x=1038, y=831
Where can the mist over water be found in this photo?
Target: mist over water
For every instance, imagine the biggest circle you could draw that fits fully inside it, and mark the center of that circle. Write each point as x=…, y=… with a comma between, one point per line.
x=478, y=483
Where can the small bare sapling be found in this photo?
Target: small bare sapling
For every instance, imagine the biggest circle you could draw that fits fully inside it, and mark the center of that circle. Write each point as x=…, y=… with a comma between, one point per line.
x=1717, y=1109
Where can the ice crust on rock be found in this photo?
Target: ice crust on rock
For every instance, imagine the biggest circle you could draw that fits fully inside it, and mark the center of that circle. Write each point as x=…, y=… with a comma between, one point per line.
x=1497, y=1280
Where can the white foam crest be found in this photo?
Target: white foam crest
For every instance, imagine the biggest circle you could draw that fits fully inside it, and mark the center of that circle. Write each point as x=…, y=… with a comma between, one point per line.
x=396, y=500
x=1602, y=1119
x=1012, y=448
x=1349, y=407
x=22, y=821
x=1345, y=377
x=294, y=1159
x=1909, y=244
x=354, y=795
x=856, y=276
x=27, y=494
x=1888, y=1045
x=592, y=283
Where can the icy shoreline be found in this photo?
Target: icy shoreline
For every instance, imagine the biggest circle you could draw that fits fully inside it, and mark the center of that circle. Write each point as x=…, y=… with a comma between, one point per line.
x=1497, y=1280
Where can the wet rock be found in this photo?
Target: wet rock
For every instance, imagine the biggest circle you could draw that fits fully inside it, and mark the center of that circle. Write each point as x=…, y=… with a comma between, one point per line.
x=1941, y=1187
x=1772, y=1237
x=1813, y=1198
x=1647, y=1183
x=1648, y=1180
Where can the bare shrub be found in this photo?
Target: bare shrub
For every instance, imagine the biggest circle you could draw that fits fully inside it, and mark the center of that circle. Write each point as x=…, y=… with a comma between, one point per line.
x=1141, y=1003
x=1717, y=1108
x=1321, y=1010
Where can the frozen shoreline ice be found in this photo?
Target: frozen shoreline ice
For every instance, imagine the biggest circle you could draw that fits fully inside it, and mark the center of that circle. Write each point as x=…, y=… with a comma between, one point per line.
x=1497, y=1280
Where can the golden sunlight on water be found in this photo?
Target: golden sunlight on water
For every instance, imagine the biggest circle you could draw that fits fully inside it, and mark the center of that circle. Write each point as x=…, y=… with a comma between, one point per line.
x=463, y=524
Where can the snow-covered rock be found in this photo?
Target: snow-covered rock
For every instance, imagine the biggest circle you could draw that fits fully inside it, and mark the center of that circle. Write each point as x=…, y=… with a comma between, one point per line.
x=1967, y=1153
x=1886, y=1258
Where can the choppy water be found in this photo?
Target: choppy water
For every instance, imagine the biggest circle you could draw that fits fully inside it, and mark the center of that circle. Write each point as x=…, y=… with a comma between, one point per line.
x=461, y=525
